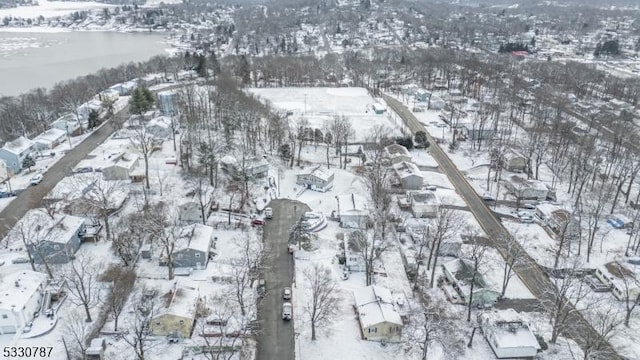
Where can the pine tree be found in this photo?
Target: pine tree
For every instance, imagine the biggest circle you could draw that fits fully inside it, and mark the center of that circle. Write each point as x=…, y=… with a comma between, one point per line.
x=28, y=162
x=93, y=119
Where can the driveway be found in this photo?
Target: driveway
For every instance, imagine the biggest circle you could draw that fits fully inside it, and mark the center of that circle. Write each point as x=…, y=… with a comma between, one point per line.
x=276, y=338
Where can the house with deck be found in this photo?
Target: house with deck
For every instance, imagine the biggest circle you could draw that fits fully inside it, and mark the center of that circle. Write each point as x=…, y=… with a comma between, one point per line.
x=379, y=320
x=318, y=179
x=509, y=336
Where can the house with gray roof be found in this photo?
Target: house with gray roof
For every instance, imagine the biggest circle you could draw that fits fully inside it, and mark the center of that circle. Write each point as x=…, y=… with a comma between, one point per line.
x=193, y=246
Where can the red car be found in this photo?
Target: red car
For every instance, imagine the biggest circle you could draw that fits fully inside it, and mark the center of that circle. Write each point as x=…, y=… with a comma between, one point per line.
x=257, y=222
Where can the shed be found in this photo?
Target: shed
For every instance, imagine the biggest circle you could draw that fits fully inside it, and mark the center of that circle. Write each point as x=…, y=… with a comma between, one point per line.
x=379, y=108
x=96, y=349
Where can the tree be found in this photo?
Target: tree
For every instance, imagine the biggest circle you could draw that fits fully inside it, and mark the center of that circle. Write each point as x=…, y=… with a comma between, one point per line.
x=122, y=281
x=138, y=337
x=164, y=229
x=515, y=257
x=323, y=303
x=101, y=199
x=477, y=257
x=28, y=162
x=433, y=324
x=606, y=319
x=203, y=195
x=130, y=232
x=30, y=230
x=242, y=266
x=445, y=226
x=144, y=142
x=421, y=138
x=93, y=119
x=141, y=101
x=75, y=332
x=81, y=278
x=229, y=327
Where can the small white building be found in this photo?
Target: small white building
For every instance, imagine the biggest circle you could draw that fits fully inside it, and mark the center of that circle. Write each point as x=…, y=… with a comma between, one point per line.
x=508, y=335
x=68, y=123
x=622, y=279
x=109, y=95
x=85, y=109
x=423, y=203
x=96, y=349
x=49, y=139
x=353, y=211
x=396, y=153
x=318, y=179
x=121, y=167
x=20, y=298
x=354, y=261
x=379, y=320
x=378, y=108
x=409, y=176
x=160, y=127
x=436, y=103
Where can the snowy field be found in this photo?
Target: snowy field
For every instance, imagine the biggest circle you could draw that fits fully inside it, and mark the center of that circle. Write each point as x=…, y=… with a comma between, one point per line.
x=50, y=9
x=320, y=105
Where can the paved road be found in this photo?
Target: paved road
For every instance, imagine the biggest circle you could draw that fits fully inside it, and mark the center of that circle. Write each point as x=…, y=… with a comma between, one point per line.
x=276, y=340
x=528, y=270
x=32, y=197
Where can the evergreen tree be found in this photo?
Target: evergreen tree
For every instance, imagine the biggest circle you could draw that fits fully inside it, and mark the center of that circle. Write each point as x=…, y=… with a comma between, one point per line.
x=28, y=162
x=141, y=101
x=245, y=70
x=215, y=64
x=93, y=119
x=201, y=67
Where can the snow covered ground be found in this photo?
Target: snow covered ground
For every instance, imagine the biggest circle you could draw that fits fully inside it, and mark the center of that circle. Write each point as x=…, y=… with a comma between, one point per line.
x=49, y=9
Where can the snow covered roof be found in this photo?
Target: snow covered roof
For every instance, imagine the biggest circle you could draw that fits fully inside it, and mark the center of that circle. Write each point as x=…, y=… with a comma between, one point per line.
x=375, y=305
x=16, y=297
x=397, y=149
x=40, y=225
x=64, y=229
x=18, y=145
x=423, y=197
x=197, y=237
x=321, y=173
x=125, y=160
x=160, y=121
x=379, y=107
x=50, y=136
x=508, y=329
x=404, y=169
x=521, y=183
x=184, y=300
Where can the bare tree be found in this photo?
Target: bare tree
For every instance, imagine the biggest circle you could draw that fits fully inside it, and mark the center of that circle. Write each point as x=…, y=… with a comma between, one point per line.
x=138, y=337
x=478, y=250
x=515, y=257
x=144, y=142
x=102, y=199
x=122, y=281
x=323, y=303
x=81, y=277
x=444, y=227
x=203, y=194
x=31, y=230
x=129, y=235
x=606, y=319
x=76, y=331
x=224, y=328
x=435, y=324
x=370, y=247
x=242, y=266
x=593, y=208
x=164, y=229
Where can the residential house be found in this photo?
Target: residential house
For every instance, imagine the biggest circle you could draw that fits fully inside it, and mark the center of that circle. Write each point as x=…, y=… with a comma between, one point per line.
x=69, y=123
x=378, y=108
x=423, y=203
x=252, y=167
x=436, y=103
x=354, y=261
x=353, y=211
x=192, y=248
x=121, y=166
x=14, y=152
x=58, y=240
x=21, y=295
x=396, y=153
x=49, y=139
x=85, y=109
x=409, y=89
x=178, y=317
x=512, y=161
x=554, y=217
x=459, y=273
x=622, y=278
x=190, y=211
x=508, y=335
x=526, y=189
x=318, y=179
x=168, y=102
x=109, y=95
x=160, y=127
x=152, y=79
x=379, y=320
x=408, y=175
x=422, y=95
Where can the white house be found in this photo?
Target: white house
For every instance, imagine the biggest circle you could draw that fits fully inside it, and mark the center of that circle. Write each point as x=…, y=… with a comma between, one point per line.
x=120, y=167
x=85, y=109
x=109, y=95
x=621, y=278
x=379, y=320
x=252, y=167
x=168, y=102
x=436, y=103
x=396, y=153
x=352, y=211
x=508, y=335
x=553, y=216
x=423, y=203
x=409, y=176
x=49, y=139
x=20, y=298
x=353, y=260
x=68, y=123
x=318, y=179
x=14, y=152
x=524, y=189
x=160, y=127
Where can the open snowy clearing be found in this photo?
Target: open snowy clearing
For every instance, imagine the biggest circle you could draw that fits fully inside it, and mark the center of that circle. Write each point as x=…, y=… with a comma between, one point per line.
x=50, y=9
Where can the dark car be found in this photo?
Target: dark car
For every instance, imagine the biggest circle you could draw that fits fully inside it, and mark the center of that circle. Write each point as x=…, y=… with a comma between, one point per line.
x=80, y=170
x=6, y=194
x=257, y=222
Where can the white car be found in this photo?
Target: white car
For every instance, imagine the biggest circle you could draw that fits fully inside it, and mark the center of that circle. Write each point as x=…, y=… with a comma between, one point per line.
x=286, y=311
x=36, y=180
x=286, y=293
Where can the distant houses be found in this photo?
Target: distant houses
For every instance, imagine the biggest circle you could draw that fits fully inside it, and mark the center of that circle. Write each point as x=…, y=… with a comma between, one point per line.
x=377, y=315
x=508, y=335
x=14, y=152
x=252, y=167
x=318, y=179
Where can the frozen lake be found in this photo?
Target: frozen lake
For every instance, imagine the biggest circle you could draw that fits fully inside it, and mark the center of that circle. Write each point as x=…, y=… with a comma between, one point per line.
x=40, y=59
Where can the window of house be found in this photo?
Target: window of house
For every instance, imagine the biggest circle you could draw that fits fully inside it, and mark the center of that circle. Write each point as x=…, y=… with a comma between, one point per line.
x=158, y=323
x=181, y=322
x=197, y=255
x=4, y=316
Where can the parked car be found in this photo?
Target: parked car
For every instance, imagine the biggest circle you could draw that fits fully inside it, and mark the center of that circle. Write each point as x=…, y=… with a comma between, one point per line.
x=487, y=197
x=36, y=179
x=268, y=213
x=27, y=327
x=286, y=311
x=432, y=188
x=6, y=194
x=526, y=219
x=257, y=222
x=262, y=287
x=20, y=260
x=84, y=169
x=286, y=293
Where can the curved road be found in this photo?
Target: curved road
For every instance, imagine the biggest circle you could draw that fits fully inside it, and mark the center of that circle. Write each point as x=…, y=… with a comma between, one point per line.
x=528, y=270
x=276, y=338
